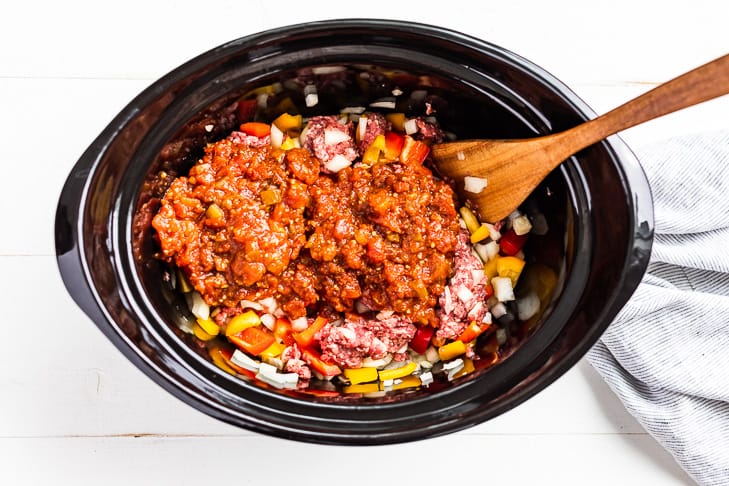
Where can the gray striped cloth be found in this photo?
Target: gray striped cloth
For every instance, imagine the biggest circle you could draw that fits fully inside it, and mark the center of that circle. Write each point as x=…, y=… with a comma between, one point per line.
x=666, y=355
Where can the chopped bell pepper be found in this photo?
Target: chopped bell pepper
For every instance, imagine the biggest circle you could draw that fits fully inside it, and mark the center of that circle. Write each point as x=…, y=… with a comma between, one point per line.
x=420, y=341
x=393, y=145
x=511, y=243
x=220, y=353
x=472, y=331
x=257, y=129
x=510, y=266
x=413, y=152
x=397, y=120
x=247, y=109
x=282, y=331
x=220, y=361
x=451, y=350
x=273, y=351
x=372, y=154
x=288, y=144
x=468, y=367
x=362, y=388
x=360, y=375
x=209, y=326
x=470, y=219
x=242, y=321
x=201, y=333
x=490, y=270
x=306, y=337
x=313, y=358
x=480, y=234
x=410, y=381
x=287, y=122
x=253, y=340
x=404, y=370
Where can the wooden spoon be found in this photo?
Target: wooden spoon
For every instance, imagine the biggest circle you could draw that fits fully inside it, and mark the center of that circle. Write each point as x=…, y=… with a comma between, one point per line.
x=514, y=168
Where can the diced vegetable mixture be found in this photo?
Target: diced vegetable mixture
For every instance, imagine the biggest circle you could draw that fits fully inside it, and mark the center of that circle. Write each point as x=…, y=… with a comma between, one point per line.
x=325, y=250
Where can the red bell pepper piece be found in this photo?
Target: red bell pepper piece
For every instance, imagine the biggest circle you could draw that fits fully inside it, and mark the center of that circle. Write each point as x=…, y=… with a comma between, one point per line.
x=489, y=291
x=282, y=331
x=247, y=110
x=413, y=152
x=393, y=145
x=313, y=358
x=306, y=337
x=420, y=341
x=511, y=243
x=472, y=331
x=253, y=340
x=257, y=129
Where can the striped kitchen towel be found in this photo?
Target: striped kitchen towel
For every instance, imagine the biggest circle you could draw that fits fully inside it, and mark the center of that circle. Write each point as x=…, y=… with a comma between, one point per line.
x=666, y=355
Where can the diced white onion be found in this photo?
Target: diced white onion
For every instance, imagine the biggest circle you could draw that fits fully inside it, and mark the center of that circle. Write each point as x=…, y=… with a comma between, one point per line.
x=501, y=336
x=527, y=306
x=474, y=185
x=279, y=380
x=269, y=304
x=480, y=249
x=452, y=373
x=393, y=365
x=503, y=289
x=431, y=354
x=449, y=365
x=309, y=89
x=332, y=136
x=478, y=275
x=209, y=127
x=377, y=363
x=262, y=100
x=410, y=126
x=362, y=127
x=311, y=100
x=361, y=307
x=396, y=92
x=487, y=318
x=249, y=304
x=426, y=378
x=268, y=320
x=521, y=225
x=319, y=70
x=387, y=383
x=492, y=249
x=266, y=369
x=388, y=103
x=199, y=307
x=493, y=232
x=353, y=110
x=498, y=310
x=299, y=324
x=244, y=361
x=460, y=155
x=275, y=362
x=337, y=163
x=277, y=136
x=464, y=294
x=425, y=364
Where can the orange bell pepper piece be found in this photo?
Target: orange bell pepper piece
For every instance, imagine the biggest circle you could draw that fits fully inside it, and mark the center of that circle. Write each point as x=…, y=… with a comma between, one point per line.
x=472, y=331
x=413, y=152
x=257, y=129
x=313, y=358
x=253, y=340
x=306, y=337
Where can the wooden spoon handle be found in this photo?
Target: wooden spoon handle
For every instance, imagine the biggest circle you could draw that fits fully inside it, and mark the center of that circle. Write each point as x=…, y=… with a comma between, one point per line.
x=696, y=86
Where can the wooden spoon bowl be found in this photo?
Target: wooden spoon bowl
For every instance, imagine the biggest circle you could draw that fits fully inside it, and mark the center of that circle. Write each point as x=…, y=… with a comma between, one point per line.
x=512, y=169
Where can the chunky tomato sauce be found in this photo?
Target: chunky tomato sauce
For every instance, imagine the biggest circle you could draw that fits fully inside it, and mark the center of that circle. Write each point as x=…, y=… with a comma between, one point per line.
x=255, y=222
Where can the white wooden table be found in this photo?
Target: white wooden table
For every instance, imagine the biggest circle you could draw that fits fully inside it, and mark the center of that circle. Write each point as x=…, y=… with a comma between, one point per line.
x=74, y=411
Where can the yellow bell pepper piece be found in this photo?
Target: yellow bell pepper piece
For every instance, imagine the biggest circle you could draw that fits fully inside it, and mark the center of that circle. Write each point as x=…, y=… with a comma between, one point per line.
x=362, y=388
x=451, y=350
x=288, y=144
x=397, y=120
x=489, y=268
x=470, y=219
x=241, y=322
x=404, y=370
x=220, y=361
x=200, y=333
x=404, y=382
x=510, y=266
x=360, y=375
x=467, y=368
x=480, y=234
x=372, y=154
x=273, y=351
x=287, y=122
x=209, y=326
